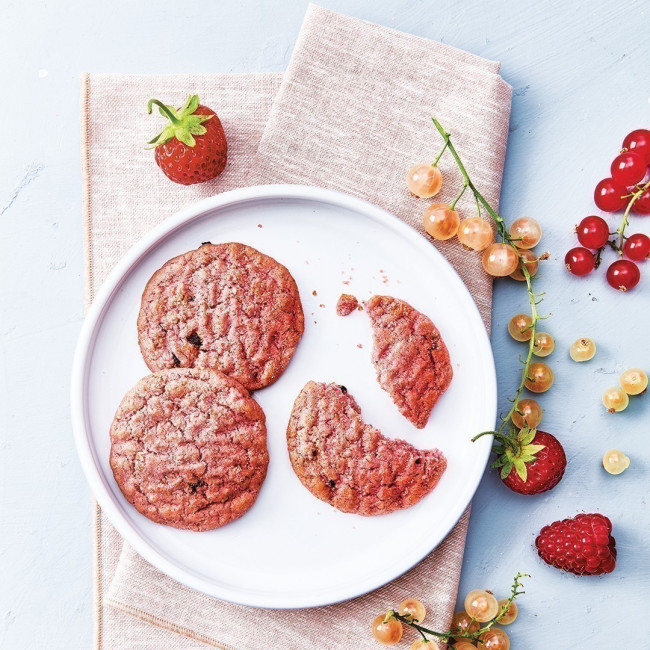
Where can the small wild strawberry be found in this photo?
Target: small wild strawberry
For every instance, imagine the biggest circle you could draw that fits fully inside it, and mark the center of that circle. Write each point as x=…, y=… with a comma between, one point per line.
x=184, y=158
x=531, y=461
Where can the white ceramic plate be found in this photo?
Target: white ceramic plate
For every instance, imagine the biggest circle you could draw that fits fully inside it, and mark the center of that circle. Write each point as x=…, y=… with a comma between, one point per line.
x=292, y=550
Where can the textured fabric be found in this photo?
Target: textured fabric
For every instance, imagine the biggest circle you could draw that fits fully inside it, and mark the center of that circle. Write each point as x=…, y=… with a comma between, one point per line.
x=125, y=195
x=351, y=113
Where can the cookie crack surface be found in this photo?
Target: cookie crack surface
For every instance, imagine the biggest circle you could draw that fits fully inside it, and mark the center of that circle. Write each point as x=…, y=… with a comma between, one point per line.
x=189, y=448
x=410, y=357
x=344, y=461
x=245, y=318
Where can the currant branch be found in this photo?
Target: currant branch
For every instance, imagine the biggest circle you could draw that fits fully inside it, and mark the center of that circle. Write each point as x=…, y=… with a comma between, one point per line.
x=515, y=591
x=625, y=221
x=504, y=235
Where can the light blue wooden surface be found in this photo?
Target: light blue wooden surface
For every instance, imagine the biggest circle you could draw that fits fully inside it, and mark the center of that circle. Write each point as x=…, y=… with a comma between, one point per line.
x=580, y=77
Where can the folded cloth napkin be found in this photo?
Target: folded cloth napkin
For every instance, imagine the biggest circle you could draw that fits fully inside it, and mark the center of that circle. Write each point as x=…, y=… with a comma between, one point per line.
x=351, y=113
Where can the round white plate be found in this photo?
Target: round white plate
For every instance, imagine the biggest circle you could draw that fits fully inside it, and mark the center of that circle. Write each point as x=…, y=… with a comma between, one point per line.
x=292, y=550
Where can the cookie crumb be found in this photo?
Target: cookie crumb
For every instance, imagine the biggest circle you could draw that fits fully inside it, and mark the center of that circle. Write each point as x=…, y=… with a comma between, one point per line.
x=346, y=304
x=359, y=346
x=259, y=225
x=314, y=292
x=322, y=305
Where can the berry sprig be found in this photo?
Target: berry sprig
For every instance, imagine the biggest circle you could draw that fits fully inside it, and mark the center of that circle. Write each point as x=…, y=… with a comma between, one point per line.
x=475, y=624
x=627, y=189
x=530, y=461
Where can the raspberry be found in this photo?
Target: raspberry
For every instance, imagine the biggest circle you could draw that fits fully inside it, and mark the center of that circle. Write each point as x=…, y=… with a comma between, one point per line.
x=582, y=545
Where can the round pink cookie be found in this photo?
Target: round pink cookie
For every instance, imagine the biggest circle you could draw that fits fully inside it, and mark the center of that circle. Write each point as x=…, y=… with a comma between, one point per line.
x=188, y=448
x=223, y=306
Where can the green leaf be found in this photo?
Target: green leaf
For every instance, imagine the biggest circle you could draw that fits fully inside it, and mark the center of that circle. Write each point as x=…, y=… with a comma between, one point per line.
x=527, y=435
x=505, y=470
x=533, y=449
x=191, y=104
x=185, y=136
x=164, y=136
x=182, y=124
x=500, y=461
x=504, y=458
x=520, y=468
x=197, y=129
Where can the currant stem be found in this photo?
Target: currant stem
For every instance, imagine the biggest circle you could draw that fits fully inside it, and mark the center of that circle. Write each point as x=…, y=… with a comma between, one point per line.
x=479, y=197
x=625, y=222
x=503, y=233
x=435, y=162
x=599, y=255
x=453, y=205
x=474, y=636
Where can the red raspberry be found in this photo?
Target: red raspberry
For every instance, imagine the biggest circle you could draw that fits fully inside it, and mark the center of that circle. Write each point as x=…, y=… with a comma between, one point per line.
x=582, y=545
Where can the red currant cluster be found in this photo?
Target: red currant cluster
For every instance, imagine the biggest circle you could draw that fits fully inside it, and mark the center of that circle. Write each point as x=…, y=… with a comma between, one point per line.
x=628, y=189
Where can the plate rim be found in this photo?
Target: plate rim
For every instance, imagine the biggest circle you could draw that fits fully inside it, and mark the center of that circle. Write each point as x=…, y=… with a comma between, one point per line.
x=101, y=301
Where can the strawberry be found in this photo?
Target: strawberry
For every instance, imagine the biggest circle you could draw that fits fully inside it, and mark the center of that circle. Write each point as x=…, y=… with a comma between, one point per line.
x=582, y=545
x=537, y=458
x=182, y=157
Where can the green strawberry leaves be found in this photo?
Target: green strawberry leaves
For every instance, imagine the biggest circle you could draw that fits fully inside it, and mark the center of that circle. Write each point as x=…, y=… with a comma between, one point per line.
x=183, y=123
x=516, y=451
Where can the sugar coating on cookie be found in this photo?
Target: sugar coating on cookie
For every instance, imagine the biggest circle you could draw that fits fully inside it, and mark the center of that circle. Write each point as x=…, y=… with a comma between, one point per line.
x=188, y=448
x=410, y=357
x=346, y=304
x=222, y=306
x=344, y=461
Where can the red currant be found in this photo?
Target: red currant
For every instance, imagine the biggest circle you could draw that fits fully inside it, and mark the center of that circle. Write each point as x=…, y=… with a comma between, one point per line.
x=637, y=247
x=629, y=168
x=593, y=232
x=642, y=204
x=580, y=261
x=623, y=275
x=639, y=141
x=609, y=195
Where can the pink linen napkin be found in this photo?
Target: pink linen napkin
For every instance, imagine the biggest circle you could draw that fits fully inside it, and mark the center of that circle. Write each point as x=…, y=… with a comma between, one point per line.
x=351, y=113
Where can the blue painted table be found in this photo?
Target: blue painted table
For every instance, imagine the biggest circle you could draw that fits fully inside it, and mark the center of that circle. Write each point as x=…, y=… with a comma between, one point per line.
x=579, y=71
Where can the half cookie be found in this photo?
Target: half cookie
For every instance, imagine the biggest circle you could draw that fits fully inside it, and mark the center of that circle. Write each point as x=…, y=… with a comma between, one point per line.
x=344, y=461
x=410, y=357
x=189, y=448
x=223, y=306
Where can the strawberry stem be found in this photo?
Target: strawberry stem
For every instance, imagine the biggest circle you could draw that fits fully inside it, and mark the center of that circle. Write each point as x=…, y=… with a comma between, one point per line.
x=504, y=439
x=168, y=114
x=184, y=123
